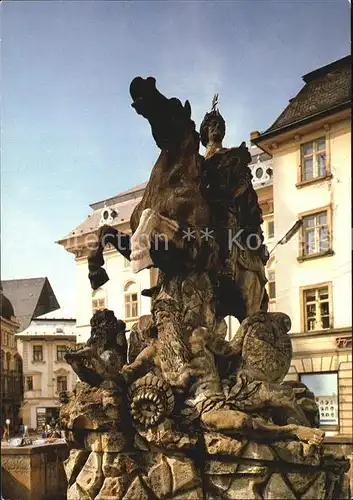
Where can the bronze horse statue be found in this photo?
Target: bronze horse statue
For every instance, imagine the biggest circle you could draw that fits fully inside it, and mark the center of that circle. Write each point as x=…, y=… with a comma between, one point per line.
x=169, y=222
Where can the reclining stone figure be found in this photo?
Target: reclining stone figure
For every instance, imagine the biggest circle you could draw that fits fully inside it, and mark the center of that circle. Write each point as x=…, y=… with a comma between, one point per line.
x=232, y=413
x=223, y=414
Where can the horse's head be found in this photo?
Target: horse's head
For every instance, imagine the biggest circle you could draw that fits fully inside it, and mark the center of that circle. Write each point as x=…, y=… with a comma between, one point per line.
x=170, y=121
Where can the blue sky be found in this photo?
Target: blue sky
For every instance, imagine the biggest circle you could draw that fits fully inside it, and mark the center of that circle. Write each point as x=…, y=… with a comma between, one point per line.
x=69, y=135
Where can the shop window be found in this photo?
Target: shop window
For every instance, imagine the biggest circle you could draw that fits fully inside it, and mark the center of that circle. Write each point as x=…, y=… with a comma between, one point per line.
x=325, y=388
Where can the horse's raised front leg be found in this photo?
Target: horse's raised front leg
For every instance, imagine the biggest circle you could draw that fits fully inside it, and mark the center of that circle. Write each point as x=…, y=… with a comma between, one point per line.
x=106, y=234
x=151, y=225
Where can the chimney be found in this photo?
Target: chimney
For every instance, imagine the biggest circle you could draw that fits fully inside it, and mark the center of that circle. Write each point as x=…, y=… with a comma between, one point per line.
x=254, y=135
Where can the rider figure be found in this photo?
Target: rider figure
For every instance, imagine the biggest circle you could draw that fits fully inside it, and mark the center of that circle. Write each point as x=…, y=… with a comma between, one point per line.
x=227, y=186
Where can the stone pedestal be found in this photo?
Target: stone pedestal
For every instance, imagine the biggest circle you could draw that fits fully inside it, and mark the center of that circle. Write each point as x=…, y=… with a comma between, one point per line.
x=220, y=468
x=34, y=472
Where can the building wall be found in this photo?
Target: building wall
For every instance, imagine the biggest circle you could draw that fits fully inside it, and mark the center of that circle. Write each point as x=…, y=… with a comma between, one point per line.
x=11, y=374
x=83, y=300
x=44, y=374
x=113, y=291
x=318, y=354
x=290, y=201
x=320, y=351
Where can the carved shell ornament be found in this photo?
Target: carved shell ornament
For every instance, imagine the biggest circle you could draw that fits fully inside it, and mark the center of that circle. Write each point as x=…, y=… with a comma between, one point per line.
x=151, y=400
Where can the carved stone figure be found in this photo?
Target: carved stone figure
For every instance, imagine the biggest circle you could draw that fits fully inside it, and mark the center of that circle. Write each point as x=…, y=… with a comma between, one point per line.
x=174, y=225
x=265, y=347
x=236, y=219
x=190, y=415
x=218, y=412
x=105, y=352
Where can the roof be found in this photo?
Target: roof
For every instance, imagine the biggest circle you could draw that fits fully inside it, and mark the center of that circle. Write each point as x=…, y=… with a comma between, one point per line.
x=57, y=315
x=46, y=336
x=30, y=297
x=326, y=89
x=91, y=224
x=129, y=194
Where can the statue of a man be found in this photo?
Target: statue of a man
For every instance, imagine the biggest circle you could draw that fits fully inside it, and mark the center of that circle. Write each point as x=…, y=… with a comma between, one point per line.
x=237, y=219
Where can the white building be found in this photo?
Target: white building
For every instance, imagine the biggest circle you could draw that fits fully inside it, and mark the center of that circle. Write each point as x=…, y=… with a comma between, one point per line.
x=42, y=347
x=310, y=143
x=122, y=293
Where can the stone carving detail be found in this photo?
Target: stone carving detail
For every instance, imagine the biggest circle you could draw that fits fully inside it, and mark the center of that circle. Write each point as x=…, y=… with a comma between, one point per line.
x=344, y=342
x=151, y=400
x=182, y=413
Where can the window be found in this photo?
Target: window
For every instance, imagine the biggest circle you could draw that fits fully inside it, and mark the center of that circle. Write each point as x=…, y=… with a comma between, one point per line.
x=37, y=353
x=325, y=388
x=18, y=363
x=98, y=305
x=270, y=229
x=315, y=234
x=316, y=309
x=313, y=159
x=61, y=383
x=271, y=284
x=60, y=352
x=98, y=300
x=8, y=361
x=131, y=301
x=29, y=383
x=131, y=305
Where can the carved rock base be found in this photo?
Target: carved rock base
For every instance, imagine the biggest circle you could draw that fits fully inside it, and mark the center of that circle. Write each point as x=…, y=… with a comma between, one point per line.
x=223, y=468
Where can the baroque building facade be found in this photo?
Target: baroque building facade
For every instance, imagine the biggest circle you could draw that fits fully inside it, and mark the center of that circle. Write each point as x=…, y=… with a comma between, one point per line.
x=42, y=346
x=310, y=143
x=11, y=366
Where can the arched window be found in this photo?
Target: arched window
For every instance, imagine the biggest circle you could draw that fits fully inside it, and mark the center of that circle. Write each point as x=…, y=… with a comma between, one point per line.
x=99, y=301
x=131, y=301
